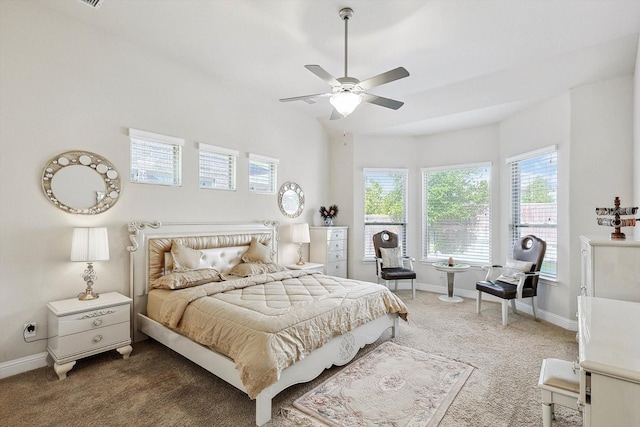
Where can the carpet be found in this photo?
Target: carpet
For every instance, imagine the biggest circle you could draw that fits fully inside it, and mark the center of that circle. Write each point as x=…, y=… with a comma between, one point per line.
x=392, y=385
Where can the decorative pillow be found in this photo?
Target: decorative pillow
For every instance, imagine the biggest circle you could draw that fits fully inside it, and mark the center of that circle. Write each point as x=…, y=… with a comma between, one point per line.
x=391, y=258
x=513, y=267
x=257, y=252
x=186, y=279
x=186, y=259
x=246, y=269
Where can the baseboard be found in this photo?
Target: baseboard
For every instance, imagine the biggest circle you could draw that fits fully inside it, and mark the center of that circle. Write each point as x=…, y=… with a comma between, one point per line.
x=24, y=364
x=571, y=325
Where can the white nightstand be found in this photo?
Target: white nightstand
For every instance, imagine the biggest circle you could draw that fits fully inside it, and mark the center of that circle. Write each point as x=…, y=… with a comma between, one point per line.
x=306, y=266
x=79, y=329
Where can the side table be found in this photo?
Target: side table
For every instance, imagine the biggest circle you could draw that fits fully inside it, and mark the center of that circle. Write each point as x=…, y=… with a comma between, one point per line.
x=307, y=266
x=451, y=270
x=78, y=329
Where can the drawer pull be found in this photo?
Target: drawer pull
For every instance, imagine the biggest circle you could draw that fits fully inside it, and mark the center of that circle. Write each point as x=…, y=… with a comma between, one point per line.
x=97, y=338
x=97, y=322
x=97, y=313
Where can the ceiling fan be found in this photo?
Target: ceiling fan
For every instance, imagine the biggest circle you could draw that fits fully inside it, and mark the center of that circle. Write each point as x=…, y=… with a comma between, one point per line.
x=348, y=92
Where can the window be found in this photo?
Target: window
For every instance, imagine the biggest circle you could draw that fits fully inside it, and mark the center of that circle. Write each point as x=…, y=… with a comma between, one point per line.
x=263, y=174
x=534, y=202
x=155, y=158
x=217, y=167
x=456, y=213
x=385, y=206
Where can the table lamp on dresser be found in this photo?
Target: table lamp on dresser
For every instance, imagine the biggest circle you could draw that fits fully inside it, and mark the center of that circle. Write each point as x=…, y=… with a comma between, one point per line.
x=89, y=245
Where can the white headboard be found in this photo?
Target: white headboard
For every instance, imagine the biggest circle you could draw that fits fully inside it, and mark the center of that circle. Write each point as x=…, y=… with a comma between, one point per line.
x=150, y=241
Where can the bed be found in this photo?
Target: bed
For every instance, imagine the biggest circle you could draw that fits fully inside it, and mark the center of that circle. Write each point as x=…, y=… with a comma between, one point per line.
x=216, y=294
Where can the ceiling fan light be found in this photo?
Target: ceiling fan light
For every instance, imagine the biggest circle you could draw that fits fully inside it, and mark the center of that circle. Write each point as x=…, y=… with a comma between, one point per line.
x=345, y=102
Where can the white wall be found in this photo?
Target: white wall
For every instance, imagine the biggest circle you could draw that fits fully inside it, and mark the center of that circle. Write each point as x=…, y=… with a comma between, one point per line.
x=636, y=135
x=68, y=86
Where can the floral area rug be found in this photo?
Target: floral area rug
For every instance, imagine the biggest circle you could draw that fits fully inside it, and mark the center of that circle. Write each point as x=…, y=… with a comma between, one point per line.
x=391, y=386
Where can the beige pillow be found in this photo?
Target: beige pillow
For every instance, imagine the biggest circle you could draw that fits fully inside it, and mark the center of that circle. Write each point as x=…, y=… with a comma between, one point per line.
x=513, y=267
x=257, y=252
x=246, y=269
x=185, y=259
x=186, y=279
x=391, y=258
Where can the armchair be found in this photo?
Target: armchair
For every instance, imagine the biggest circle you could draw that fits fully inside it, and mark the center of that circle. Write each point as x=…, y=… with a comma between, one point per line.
x=518, y=278
x=390, y=263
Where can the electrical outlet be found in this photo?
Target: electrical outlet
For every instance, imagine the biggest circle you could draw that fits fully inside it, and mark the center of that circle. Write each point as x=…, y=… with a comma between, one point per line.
x=29, y=329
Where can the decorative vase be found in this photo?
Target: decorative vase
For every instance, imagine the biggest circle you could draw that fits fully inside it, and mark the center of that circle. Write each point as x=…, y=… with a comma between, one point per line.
x=328, y=222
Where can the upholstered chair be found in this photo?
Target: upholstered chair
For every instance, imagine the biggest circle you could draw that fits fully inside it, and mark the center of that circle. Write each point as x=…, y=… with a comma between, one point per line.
x=391, y=264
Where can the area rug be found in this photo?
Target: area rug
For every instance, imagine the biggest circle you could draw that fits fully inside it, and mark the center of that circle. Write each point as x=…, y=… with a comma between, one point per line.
x=391, y=386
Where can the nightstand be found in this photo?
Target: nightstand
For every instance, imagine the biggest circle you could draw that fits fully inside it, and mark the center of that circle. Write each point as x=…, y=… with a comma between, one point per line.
x=79, y=329
x=307, y=266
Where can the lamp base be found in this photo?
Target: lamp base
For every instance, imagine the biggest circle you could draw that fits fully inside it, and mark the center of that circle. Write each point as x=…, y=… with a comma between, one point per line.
x=300, y=262
x=88, y=295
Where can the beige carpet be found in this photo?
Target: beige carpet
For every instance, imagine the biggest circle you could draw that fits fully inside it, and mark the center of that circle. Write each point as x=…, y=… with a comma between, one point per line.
x=392, y=385
x=157, y=387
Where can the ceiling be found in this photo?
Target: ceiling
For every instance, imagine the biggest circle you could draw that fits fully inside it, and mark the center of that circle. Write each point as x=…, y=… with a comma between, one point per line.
x=471, y=62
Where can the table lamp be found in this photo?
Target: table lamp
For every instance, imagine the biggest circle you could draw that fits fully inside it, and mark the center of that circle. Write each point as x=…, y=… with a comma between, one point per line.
x=89, y=245
x=300, y=235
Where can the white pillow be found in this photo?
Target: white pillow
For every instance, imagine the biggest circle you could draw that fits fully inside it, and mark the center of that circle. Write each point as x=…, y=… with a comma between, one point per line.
x=391, y=258
x=513, y=267
x=185, y=259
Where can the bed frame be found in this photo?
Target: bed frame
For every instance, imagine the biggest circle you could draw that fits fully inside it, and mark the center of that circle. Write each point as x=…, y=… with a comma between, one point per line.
x=338, y=351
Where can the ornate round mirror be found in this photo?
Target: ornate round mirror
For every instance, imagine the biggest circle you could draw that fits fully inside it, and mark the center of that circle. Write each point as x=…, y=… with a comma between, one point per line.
x=291, y=199
x=81, y=182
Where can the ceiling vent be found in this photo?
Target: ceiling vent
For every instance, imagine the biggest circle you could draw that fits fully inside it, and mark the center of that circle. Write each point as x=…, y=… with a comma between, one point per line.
x=93, y=3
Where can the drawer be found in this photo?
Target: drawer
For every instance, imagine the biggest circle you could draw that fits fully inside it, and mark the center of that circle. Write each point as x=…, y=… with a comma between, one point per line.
x=339, y=255
x=339, y=234
x=80, y=322
x=333, y=268
x=336, y=245
x=88, y=341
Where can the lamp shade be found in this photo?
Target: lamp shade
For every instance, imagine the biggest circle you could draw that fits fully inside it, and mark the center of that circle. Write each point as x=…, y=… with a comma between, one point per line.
x=300, y=233
x=90, y=244
x=345, y=102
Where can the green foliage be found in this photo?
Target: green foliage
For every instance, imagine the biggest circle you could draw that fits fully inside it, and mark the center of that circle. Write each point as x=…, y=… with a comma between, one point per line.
x=389, y=203
x=537, y=192
x=456, y=198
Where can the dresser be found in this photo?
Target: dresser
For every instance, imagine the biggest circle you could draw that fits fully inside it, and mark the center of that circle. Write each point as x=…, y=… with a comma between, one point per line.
x=78, y=329
x=329, y=247
x=610, y=268
x=609, y=356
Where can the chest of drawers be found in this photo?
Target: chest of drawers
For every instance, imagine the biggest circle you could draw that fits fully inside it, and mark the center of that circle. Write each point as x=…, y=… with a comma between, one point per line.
x=78, y=329
x=329, y=247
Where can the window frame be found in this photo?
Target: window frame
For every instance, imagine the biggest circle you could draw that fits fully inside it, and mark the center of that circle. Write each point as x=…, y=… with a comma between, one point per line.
x=272, y=164
x=368, y=251
x=551, y=254
x=425, y=254
x=157, y=140
x=225, y=166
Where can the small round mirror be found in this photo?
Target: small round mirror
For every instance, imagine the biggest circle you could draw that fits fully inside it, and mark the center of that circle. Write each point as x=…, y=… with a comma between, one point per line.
x=81, y=183
x=291, y=199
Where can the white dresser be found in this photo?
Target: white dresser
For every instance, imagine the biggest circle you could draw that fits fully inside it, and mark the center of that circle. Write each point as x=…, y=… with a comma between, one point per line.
x=329, y=247
x=610, y=268
x=609, y=355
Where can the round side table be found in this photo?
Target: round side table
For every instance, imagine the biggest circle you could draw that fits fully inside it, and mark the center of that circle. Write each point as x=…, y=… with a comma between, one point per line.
x=451, y=271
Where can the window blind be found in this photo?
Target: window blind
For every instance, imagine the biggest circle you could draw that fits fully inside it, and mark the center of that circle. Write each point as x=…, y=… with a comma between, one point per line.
x=217, y=167
x=155, y=158
x=263, y=174
x=534, y=204
x=385, y=200
x=456, y=206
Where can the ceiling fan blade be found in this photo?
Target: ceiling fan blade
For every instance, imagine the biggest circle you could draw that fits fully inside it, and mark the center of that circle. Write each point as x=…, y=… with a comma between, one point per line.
x=323, y=74
x=383, y=102
x=380, y=79
x=306, y=98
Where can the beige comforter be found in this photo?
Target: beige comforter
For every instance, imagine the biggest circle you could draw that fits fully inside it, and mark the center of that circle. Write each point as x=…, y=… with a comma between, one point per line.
x=268, y=322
